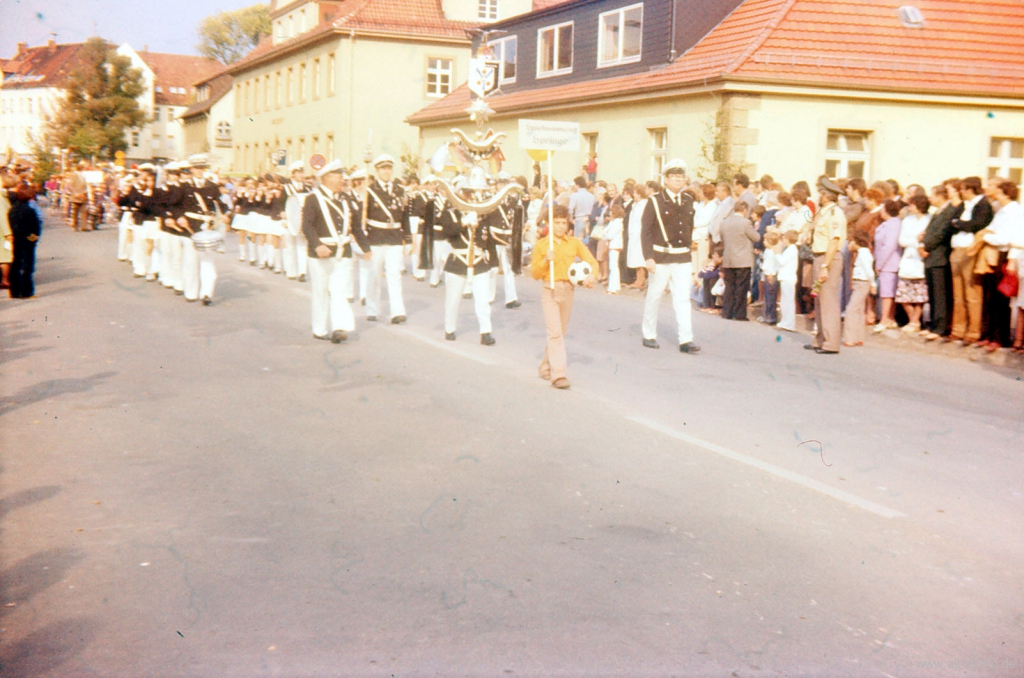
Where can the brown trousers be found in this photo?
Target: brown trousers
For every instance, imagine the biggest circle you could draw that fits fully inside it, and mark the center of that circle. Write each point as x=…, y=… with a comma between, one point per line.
x=557, y=306
x=853, y=327
x=967, y=297
x=827, y=312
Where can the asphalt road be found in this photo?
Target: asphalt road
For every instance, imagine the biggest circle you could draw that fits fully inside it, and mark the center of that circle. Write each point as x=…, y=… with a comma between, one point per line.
x=192, y=491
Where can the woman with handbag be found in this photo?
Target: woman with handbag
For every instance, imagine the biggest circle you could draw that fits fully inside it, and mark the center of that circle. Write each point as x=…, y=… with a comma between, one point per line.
x=997, y=276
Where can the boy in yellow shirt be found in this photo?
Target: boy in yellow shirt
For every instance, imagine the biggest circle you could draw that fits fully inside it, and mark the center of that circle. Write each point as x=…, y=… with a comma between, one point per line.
x=556, y=300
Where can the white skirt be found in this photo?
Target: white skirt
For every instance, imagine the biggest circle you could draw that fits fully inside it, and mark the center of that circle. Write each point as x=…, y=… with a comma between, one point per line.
x=277, y=227
x=257, y=224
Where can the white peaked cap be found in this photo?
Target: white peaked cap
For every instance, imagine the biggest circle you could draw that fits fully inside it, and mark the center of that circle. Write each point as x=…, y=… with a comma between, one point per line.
x=674, y=165
x=332, y=166
x=383, y=159
x=358, y=174
x=296, y=166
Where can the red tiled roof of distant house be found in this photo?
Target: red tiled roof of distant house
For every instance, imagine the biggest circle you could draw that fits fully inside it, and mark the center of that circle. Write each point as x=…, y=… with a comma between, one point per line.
x=414, y=18
x=174, y=75
x=219, y=86
x=44, y=66
x=967, y=47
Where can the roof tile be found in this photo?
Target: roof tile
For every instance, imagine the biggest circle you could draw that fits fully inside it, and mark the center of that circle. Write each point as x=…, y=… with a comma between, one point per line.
x=174, y=75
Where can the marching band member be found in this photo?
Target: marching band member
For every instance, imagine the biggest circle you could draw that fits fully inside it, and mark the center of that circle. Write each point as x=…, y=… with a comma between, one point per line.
x=506, y=225
x=295, y=255
x=387, y=230
x=471, y=258
x=241, y=210
x=200, y=199
x=170, y=199
x=417, y=209
x=438, y=253
x=665, y=235
x=354, y=195
x=125, y=187
x=276, y=224
x=327, y=225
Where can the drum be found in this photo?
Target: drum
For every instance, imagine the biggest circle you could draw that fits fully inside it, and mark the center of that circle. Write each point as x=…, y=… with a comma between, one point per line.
x=207, y=240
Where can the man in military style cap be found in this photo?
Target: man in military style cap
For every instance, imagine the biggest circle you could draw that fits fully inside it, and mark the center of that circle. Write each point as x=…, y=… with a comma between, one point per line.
x=387, y=231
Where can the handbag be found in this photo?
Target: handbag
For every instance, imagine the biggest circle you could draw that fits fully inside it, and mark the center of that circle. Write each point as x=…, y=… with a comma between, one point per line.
x=1009, y=286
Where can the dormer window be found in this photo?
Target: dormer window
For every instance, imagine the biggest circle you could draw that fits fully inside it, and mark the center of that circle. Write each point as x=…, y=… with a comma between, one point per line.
x=911, y=17
x=554, y=50
x=487, y=10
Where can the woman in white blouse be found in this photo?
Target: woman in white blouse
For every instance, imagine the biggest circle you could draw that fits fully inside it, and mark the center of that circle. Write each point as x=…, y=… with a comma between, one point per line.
x=705, y=211
x=912, y=289
x=634, y=248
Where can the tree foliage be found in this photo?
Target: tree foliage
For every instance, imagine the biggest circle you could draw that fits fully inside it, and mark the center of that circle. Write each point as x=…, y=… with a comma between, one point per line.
x=100, y=103
x=229, y=36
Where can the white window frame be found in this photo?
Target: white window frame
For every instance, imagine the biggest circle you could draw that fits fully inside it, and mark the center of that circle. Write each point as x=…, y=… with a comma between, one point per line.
x=621, y=13
x=540, y=49
x=498, y=48
x=844, y=156
x=487, y=10
x=437, y=73
x=659, y=152
x=1002, y=164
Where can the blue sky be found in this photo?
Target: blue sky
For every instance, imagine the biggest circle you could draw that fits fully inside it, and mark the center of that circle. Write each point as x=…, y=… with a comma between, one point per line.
x=162, y=25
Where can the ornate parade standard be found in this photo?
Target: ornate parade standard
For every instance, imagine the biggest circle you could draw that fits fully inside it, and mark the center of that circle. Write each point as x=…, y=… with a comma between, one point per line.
x=473, y=189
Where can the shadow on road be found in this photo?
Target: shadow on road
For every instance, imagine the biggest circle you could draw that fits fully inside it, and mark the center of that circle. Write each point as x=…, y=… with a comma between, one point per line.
x=27, y=498
x=43, y=651
x=16, y=340
x=31, y=576
x=50, y=389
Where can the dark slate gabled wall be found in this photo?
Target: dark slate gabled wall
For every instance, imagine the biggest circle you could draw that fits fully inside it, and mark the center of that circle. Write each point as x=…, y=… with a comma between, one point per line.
x=693, y=20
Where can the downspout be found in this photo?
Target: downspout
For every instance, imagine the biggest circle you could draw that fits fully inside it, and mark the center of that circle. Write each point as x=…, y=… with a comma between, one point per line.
x=351, y=87
x=672, y=47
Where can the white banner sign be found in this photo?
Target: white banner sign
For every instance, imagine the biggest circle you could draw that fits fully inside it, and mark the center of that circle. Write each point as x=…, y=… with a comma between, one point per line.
x=544, y=135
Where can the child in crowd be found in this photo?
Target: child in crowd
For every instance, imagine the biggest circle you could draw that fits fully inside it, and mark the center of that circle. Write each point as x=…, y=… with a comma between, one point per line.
x=863, y=283
x=770, y=279
x=613, y=235
x=561, y=249
x=788, y=262
x=710, y=275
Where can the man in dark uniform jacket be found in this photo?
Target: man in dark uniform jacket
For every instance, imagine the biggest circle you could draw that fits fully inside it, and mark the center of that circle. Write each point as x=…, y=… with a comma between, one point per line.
x=328, y=225
x=471, y=259
x=387, y=231
x=170, y=198
x=666, y=232
x=200, y=198
x=506, y=225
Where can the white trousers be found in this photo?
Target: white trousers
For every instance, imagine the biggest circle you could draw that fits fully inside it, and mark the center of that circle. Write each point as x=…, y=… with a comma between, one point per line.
x=189, y=269
x=124, y=227
x=172, y=248
x=614, y=280
x=442, y=248
x=417, y=240
x=139, y=259
x=787, y=300
x=364, y=277
x=677, y=278
x=453, y=286
x=505, y=262
x=295, y=255
x=386, y=261
x=331, y=311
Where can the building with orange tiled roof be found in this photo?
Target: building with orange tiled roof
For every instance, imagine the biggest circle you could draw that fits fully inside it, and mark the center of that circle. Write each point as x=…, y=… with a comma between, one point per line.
x=168, y=92
x=208, y=121
x=339, y=77
x=33, y=83
x=917, y=90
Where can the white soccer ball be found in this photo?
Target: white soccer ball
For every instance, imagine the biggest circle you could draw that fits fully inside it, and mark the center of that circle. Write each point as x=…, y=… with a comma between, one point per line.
x=578, y=272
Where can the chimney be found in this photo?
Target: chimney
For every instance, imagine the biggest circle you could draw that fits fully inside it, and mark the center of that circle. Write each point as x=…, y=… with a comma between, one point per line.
x=51, y=43
x=22, y=46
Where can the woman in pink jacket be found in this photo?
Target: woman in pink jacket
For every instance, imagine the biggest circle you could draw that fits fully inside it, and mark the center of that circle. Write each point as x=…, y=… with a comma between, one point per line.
x=887, y=262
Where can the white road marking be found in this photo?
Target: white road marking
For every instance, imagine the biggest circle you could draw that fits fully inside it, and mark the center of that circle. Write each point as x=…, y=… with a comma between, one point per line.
x=778, y=471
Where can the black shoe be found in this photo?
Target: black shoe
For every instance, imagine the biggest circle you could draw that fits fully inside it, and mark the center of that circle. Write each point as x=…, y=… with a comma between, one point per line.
x=362, y=302
x=179, y=292
x=321, y=337
x=689, y=347
x=435, y=284
x=651, y=343
x=513, y=304
x=351, y=299
x=449, y=336
x=398, y=320
x=486, y=339
x=743, y=319
x=207, y=301
x=252, y=263
x=810, y=347
x=338, y=336
x=467, y=295
x=822, y=351
x=371, y=318
x=302, y=278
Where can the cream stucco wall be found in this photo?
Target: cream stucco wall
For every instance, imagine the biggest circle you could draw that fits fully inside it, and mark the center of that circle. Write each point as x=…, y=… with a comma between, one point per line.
x=624, y=137
x=912, y=142
x=23, y=113
x=377, y=84
x=782, y=134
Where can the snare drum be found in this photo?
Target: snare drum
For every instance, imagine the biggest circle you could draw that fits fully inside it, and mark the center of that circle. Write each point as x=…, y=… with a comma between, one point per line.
x=206, y=240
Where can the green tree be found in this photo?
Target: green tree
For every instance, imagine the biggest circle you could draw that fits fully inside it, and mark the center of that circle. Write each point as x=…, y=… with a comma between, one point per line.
x=100, y=104
x=229, y=36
